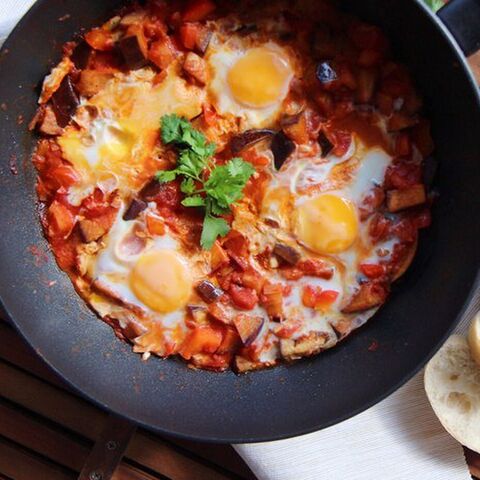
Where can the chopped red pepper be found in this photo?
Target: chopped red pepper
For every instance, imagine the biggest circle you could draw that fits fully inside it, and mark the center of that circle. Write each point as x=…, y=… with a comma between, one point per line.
x=244, y=298
x=315, y=297
x=372, y=270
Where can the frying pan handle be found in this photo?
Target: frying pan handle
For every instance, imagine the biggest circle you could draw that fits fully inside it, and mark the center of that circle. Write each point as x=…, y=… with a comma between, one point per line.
x=462, y=18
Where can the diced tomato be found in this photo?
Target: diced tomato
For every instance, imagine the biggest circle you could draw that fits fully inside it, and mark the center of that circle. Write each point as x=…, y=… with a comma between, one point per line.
x=61, y=220
x=402, y=175
x=298, y=131
x=218, y=256
x=189, y=34
x=405, y=230
x=202, y=339
x=162, y=52
x=372, y=202
x=403, y=145
x=65, y=253
x=372, y=270
x=315, y=297
x=198, y=10
x=291, y=273
x=100, y=39
x=252, y=279
x=316, y=268
x=256, y=159
x=244, y=298
x=95, y=204
x=169, y=195
x=65, y=175
x=209, y=114
x=379, y=227
x=155, y=29
x=341, y=140
x=155, y=224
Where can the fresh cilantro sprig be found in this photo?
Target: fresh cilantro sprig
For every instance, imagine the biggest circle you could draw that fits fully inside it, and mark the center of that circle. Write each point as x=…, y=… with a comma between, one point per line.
x=204, y=184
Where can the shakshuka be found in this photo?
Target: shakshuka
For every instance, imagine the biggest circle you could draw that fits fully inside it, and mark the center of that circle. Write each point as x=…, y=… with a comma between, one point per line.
x=235, y=183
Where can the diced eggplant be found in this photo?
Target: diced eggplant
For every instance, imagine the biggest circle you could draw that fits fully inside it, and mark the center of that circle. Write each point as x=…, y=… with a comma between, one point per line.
x=248, y=138
x=132, y=52
x=287, y=253
x=208, y=291
x=91, y=230
x=325, y=144
x=136, y=207
x=81, y=54
x=282, y=147
x=311, y=344
x=288, y=120
x=369, y=295
x=325, y=73
x=248, y=327
x=65, y=101
x=398, y=200
x=92, y=81
x=150, y=190
x=244, y=365
x=203, y=40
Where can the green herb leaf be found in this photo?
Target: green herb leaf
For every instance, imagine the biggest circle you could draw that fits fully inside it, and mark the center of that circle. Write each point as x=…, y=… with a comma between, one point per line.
x=188, y=186
x=166, y=175
x=194, y=201
x=224, y=185
x=213, y=227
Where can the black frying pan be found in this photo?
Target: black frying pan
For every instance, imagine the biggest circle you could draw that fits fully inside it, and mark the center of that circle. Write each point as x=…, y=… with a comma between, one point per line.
x=288, y=400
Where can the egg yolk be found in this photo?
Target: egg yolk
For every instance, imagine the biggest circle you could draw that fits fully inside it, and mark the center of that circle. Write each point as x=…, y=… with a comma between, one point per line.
x=161, y=281
x=260, y=78
x=327, y=224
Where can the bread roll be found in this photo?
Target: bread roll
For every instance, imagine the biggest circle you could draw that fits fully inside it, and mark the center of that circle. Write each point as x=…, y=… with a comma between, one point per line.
x=452, y=383
x=474, y=339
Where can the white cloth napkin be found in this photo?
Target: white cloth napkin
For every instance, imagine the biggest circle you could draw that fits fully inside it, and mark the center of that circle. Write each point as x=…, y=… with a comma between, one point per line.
x=398, y=439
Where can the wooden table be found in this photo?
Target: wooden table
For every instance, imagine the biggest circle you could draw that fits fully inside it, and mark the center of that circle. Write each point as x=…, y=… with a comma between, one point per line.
x=47, y=432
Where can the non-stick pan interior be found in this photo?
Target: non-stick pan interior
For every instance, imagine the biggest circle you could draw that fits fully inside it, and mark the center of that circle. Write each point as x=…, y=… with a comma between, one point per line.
x=287, y=400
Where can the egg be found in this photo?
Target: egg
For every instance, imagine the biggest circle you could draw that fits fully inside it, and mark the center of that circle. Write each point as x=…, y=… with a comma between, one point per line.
x=115, y=148
x=151, y=274
x=326, y=224
x=314, y=202
x=161, y=280
x=249, y=82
